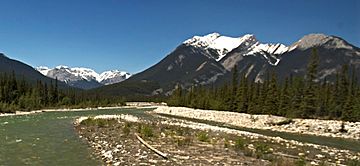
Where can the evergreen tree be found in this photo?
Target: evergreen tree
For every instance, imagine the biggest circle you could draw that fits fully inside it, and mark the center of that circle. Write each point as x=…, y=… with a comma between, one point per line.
x=284, y=101
x=233, y=101
x=271, y=100
x=309, y=103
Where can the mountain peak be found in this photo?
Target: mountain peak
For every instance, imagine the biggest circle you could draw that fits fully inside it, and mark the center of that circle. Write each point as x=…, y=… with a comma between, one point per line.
x=62, y=67
x=221, y=44
x=319, y=39
x=202, y=41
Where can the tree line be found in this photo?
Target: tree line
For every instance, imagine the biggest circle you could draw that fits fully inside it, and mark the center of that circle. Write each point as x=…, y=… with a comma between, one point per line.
x=293, y=97
x=20, y=95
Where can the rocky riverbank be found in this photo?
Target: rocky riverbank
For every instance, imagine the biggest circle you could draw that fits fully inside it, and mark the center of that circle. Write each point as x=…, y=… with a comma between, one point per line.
x=329, y=128
x=113, y=139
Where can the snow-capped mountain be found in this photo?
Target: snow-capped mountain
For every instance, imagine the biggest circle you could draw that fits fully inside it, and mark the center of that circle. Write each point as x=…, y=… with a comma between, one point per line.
x=84, y=78
x=113, y=76
x=209, y=59
x=222, y=45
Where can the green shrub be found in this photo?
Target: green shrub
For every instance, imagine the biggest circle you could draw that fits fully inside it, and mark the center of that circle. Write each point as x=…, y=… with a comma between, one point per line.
x=126, y=128
x=203, y=137
x=146, y=131
x=300, y=162
x=261, y=149
x=98, y=122
x=88, y=122
x=239, y=144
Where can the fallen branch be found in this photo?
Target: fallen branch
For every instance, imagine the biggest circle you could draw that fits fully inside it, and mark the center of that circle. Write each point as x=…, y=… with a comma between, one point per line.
x=151, y=148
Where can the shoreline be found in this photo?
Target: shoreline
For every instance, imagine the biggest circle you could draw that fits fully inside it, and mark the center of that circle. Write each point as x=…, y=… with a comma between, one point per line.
x=19, y=113
x=328, y=128
x=128, y=105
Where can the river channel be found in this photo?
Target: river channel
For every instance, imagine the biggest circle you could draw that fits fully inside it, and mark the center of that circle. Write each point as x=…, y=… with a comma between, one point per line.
x=49, y=138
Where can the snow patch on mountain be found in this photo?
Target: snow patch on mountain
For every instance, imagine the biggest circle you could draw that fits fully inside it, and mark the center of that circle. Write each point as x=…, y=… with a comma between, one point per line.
x=269, y=48
x=113, y=76
x=224, y=44
x=85, y=73
x=221, y=44
x=269, y=51
x=43, y=70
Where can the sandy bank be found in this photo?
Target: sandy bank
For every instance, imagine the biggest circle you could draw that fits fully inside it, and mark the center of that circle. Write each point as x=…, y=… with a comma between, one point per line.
x=330, y=128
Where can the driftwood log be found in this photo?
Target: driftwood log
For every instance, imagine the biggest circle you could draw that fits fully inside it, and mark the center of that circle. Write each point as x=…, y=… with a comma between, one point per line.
x=151, y=148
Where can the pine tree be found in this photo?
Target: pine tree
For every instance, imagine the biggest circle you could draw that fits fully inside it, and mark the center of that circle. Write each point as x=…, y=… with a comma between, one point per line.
x=234, y=90
x=242, y=95
x=284, y=103
x=309, y=104
x=296, y=93
x=271, y=100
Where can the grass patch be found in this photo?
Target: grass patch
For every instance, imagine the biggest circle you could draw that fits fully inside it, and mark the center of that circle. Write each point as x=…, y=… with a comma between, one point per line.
x=126, y=129
x=261, y=150
x=98, y=122
x=239, y=144
x=182, y=131
x=145, y=130
x=203, y=137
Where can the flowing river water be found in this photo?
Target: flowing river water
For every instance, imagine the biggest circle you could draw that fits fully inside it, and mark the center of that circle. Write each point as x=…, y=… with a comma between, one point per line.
x=49, y=138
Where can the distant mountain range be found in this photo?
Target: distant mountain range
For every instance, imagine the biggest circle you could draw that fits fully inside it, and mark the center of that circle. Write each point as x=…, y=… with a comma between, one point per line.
x=83, y=78
x=209, y=59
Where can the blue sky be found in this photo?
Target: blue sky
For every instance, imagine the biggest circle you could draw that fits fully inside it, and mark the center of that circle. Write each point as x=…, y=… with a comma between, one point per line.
x=132, y=35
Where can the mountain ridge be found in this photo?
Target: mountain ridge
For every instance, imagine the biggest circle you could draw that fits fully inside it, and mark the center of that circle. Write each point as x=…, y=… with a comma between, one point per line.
x=206, y=60
x=84, y=78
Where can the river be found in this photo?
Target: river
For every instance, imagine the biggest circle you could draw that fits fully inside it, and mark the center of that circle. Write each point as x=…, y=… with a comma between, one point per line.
x=48, y=138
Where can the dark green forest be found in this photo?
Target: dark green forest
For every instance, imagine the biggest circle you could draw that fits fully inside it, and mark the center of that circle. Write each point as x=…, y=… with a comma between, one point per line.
x=20, y=95
x=293, y=97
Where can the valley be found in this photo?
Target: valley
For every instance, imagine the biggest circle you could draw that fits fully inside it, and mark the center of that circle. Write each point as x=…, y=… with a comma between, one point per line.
x=232, y=101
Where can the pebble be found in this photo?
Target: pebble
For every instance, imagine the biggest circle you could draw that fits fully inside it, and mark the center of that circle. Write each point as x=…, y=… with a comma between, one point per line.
x=320, y=156
x=314, y=163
